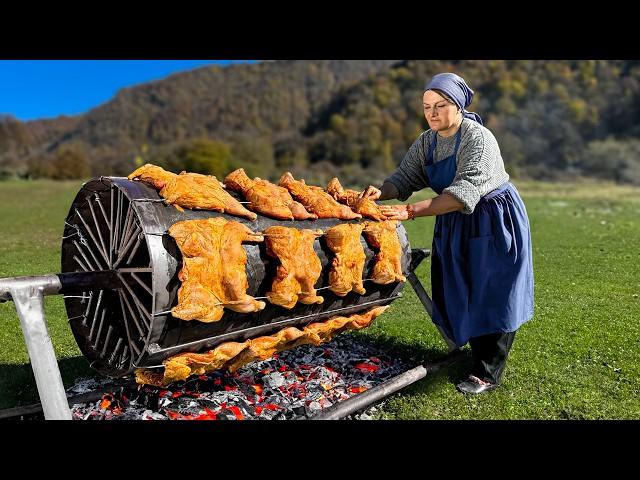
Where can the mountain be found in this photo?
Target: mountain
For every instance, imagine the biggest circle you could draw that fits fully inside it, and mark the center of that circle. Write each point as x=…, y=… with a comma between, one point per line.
x=353, y=118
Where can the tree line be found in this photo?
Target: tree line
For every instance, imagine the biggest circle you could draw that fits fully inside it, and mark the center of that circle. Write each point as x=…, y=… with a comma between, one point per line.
x=353, y=119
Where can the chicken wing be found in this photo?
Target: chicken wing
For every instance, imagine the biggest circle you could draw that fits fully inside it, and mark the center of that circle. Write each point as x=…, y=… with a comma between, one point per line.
x=266, y=197
x=191, y=190
x=299, y=267
x=347, y=265
x=213, y=273
x=383, y=237
x=316, y=200
x=364, y=206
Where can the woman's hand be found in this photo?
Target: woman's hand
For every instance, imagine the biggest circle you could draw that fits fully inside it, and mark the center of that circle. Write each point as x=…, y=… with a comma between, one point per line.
x=371, y=192
x=395, y=212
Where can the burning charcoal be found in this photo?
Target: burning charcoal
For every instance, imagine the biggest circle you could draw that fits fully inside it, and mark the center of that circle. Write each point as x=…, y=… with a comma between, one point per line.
x=184, y=406
x=297, y=383
x=150, y=415
x=273, y=380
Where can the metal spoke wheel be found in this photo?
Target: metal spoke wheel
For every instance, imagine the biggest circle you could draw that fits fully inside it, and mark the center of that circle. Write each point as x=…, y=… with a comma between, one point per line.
x=103, y=232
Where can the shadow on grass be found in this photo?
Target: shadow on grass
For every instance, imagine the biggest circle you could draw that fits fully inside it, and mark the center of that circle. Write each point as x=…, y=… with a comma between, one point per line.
x=18, y=384
x=454, y=367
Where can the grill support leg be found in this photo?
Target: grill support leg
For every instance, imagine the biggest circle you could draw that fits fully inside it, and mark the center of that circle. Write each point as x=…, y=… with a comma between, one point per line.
x=27, y=294
x=417, y=255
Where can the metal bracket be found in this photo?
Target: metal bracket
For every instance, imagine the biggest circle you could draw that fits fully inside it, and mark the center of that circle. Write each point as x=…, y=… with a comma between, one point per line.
x=417, y=255
x=27, y=294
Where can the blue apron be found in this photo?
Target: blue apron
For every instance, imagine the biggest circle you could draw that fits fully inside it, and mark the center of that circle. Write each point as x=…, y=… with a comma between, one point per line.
x=481, y=265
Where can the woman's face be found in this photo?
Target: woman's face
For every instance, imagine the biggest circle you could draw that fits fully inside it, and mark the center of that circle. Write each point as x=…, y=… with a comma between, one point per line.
x=441, y=114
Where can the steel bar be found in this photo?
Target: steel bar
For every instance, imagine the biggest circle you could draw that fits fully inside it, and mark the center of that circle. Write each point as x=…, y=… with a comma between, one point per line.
x=82, y=265
x=126, y=324
x=111, y=228
x=115, y=351
x=104, y=213
x=95, y=315
x=120, y=220
x=98, y=229
x=124, y=357
x=127, y=225
x=136, y=270
x=428, y=306
x=116, y=227
x=95, y=344
x=143, y=311
x=74, y=282
x=135, y=248
x=84, y=257
x=256, y=331
x=104, y=255
x=133, y=315
x=142, y=284
x=358, y=402
x=86, y=312
x=124, y=250
x=89, y=264
x=27, y=295
x=106, y=341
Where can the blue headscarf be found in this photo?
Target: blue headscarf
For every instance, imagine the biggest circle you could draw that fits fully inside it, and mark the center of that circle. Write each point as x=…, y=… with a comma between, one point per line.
x=457, y=89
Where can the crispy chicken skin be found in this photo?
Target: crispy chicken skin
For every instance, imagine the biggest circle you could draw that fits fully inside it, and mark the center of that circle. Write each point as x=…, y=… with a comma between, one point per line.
x=233, y=355
x=316, y=200
x=299, y=267
x=191, y=190
x=213, y=273
x=348, y=263
x=363, y=206
x=383, y=237
x=266, y=198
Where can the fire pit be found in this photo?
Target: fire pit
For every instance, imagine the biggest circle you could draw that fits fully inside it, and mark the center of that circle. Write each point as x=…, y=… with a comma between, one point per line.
x=295, y=384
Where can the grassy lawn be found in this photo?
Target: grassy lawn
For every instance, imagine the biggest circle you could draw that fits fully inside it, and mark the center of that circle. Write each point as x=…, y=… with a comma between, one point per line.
x=578, y=358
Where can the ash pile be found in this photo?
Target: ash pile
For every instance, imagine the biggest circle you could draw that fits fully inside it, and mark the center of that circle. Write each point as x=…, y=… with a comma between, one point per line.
x=292, y=385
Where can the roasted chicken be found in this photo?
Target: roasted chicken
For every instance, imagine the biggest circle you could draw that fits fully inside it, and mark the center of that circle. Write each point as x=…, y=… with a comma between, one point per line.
x=233, y=355
x=348, y=263
x=299, y=267
x=316, y=200
x=330, y=328
x=351, y=198
x=383, y=237
x=213, y=273
x=267, y=198
x=191, y=190
x=264, y=347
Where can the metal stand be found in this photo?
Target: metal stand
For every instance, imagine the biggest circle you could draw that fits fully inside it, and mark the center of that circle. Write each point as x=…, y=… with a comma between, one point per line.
x=27, y=295
x=417, y=255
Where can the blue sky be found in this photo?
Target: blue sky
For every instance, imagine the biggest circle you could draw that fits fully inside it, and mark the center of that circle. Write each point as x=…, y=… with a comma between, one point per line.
x=34, y=89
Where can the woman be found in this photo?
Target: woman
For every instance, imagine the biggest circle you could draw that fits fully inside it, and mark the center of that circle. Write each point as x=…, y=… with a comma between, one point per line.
x=481, y=268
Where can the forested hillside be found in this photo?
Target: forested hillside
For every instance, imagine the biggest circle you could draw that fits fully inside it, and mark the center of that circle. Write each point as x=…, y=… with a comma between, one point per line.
x=356, y=119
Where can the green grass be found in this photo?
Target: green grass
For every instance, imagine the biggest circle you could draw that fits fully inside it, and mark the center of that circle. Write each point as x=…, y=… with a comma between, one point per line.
x=579, y=357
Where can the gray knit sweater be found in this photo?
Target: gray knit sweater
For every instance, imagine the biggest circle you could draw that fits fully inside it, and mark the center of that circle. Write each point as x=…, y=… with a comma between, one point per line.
x=480, y=168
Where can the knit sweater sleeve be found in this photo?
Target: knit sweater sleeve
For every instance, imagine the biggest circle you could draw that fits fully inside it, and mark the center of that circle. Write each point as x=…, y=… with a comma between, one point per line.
x=409, y=177
x=475, y=166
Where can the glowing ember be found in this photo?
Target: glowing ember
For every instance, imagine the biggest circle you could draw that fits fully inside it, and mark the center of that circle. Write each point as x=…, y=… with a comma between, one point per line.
x=294, y=384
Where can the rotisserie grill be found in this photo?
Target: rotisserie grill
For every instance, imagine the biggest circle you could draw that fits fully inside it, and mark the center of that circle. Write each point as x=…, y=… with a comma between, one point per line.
x=120, y=225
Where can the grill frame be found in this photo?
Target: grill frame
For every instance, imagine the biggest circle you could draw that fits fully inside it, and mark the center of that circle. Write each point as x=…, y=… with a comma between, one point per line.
x=166, y=336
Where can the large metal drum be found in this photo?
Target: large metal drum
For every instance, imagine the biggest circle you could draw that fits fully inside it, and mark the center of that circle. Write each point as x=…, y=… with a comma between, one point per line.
x=119, y=225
